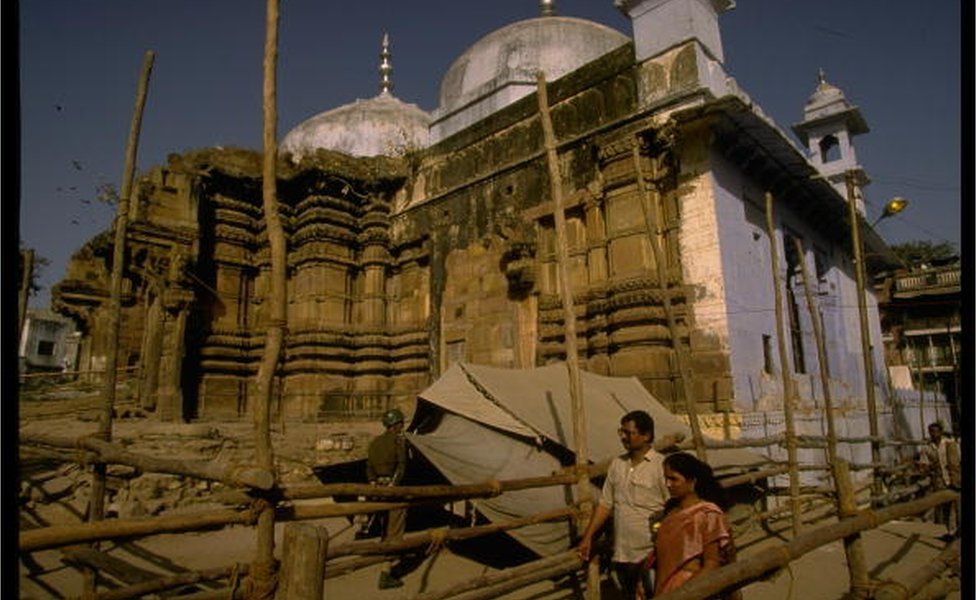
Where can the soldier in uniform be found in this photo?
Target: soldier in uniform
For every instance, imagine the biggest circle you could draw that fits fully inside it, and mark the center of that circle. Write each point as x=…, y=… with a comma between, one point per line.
x=386, y=462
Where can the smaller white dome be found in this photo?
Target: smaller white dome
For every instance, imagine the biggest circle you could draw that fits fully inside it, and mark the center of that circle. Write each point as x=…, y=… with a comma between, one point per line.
x=380, y=126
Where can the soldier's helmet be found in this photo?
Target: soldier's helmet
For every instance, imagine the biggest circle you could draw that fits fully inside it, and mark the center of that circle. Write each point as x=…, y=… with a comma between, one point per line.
x=392, y=417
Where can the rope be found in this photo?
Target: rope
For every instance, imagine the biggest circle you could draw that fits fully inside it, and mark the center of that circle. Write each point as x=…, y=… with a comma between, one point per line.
x=496, y=487
x=235, y=576
x=263, y=579
x=438, y=537
x=254, y=509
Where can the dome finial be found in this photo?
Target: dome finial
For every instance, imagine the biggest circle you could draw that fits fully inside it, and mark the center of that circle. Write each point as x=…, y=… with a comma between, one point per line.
x=386, y=84
x=821, y=77
x=547, y=8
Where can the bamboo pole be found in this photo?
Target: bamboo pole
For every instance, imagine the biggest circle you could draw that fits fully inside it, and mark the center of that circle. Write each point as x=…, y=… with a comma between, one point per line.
x=652, y=222
x=26, y=275
x=96, y=506
x=788, y=392
x=262, y=573
x=498, y=583
x=64, y=535
x=569, y=323
x=818, y=336
x=446, y=492
x=919, y=578
x=744, y=570
x=303, y=570
x=857, y=568
x=440, y=535
x=862, y=312
x=106, y=452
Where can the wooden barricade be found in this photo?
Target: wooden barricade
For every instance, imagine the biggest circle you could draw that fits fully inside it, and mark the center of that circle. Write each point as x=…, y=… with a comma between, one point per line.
x=350, y=556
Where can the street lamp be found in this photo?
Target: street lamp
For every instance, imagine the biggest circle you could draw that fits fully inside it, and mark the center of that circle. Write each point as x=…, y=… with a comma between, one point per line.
x=892, y=208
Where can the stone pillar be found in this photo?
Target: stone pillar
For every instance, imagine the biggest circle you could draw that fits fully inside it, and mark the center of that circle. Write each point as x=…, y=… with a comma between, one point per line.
x=150, y=355
x=596, y=240
x=375, y=261
x=170, y=394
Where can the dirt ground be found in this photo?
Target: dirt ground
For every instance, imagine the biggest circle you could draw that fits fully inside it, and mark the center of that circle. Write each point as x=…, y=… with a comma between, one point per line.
x=52, y=493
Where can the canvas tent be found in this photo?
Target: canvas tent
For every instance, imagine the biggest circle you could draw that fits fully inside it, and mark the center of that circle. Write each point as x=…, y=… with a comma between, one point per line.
x=478, y=423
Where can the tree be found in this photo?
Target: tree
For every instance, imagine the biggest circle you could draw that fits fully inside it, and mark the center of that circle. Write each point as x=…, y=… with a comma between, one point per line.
x=919, y=252
x=37, y=268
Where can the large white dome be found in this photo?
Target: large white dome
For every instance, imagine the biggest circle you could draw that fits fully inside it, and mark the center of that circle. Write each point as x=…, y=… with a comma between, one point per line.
x=555, y=45
x=380, y=126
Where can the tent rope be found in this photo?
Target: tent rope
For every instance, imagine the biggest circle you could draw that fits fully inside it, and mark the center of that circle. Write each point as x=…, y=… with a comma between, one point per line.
x=539, y=437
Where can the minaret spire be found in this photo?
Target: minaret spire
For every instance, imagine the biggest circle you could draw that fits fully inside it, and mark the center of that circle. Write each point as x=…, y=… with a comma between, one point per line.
x=821, y=77
x=547, y=8
x=386, y=68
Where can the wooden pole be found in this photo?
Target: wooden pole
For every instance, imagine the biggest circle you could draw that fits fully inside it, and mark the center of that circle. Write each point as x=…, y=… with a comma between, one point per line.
x=569, y=322
x=303, y=569
x=920, y=577
x=26, y=275
x=788, y=392
x=111, y=453
x=652, y=222
x=778, y=556
x=862, y=311
x=857, y=568
x=500, y=582
x=818, y=336
x=96, y=506
x=425, y=538
x=262, y=572
x=64, y=535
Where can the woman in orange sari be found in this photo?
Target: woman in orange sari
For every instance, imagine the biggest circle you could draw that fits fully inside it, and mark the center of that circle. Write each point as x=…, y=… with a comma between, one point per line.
x=694, y=537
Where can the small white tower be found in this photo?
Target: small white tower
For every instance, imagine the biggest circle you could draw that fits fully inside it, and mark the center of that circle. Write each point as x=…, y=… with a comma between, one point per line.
x=829, y=123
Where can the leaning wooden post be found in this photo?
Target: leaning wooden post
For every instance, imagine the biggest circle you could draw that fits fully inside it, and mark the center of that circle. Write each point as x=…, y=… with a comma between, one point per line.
x=652, y=222
x=847, y=507
x=303, y=568
x=262, y=572
x=788, y=394
x=96, y=505
x=569, y=327
x=862, y=311
x=818, y=336
x=26, y=275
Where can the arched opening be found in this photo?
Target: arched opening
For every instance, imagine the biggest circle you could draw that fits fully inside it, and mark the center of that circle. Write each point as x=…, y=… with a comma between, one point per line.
x=829, y=149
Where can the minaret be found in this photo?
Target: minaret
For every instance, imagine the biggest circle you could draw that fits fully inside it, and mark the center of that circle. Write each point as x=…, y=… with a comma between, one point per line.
x=829, y=122
x=547, y=8
x=386, y=67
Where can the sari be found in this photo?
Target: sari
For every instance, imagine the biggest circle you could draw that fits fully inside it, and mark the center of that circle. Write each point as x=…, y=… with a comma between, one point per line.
x=680, y=543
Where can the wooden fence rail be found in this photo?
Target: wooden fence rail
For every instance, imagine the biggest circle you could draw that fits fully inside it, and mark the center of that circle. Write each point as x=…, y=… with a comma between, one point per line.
x=745, y=570
x=108, y=452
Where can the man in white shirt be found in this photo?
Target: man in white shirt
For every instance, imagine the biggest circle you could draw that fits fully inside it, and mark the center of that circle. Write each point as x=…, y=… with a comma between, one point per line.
x=940, y=459
x=633, y=492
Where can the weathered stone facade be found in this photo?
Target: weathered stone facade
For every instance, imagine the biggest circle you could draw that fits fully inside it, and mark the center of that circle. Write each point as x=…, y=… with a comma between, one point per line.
x=400, y=266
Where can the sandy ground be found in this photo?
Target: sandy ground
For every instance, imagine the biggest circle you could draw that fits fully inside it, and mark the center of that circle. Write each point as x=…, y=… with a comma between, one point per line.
x=893, y=550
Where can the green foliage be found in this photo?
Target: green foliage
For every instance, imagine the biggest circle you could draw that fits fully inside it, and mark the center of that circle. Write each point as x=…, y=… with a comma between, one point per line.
x=921, y=252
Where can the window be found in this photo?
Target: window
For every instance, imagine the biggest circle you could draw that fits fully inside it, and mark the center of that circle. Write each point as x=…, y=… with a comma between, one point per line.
x=829, y=149
x=767, y=343
x=45, y=348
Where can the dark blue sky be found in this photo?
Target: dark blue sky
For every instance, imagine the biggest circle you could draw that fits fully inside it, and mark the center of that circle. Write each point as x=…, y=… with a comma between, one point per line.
x=899, y=61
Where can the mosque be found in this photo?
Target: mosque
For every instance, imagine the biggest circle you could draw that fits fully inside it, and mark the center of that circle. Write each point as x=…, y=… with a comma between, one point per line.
x=419, y=239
